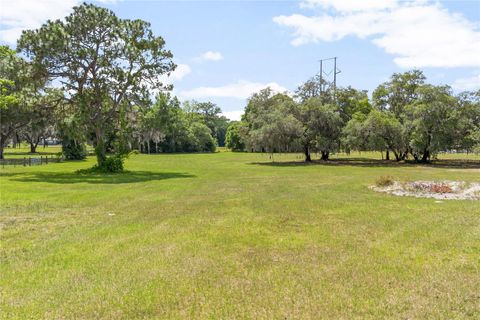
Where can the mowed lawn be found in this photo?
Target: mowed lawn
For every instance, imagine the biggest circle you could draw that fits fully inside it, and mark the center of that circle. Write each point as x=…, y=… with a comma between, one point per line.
x=233, y=236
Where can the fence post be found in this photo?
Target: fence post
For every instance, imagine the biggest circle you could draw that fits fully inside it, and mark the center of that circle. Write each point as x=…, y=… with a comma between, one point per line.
x=46, y=159
x=29, y=161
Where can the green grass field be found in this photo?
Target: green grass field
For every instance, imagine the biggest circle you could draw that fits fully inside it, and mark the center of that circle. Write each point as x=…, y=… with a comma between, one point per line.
x=235, y=236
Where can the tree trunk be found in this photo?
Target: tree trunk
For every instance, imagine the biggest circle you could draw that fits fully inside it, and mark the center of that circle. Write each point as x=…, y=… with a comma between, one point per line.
x=308, y=158
x=3, y=144
x=426, y=156
x=33, y=147
x=387, y=155
x=100, y=149
x=148, y=146
x=398, y=156
x=325, y=155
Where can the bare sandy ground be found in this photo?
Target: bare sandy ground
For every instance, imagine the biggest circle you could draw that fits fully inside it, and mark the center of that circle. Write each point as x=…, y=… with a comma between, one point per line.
x=456, y=190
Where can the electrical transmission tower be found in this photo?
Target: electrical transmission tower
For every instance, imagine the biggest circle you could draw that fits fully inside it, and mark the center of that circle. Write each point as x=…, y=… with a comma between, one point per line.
x=328, y=75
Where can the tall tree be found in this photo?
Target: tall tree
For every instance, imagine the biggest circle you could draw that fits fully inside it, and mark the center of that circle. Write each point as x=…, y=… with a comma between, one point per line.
x=20, y=94
x=468, y=128
x=104, y=63
x=234, y=137
x=311, y=89
x=271, y=124
x=382, y=131
x=351, y=101
x=322, y=125
x=400, y=91
x=432, y=120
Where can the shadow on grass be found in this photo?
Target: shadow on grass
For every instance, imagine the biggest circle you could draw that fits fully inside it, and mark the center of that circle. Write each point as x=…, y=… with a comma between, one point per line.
x=29, y=154
x=94, y=178
x=365, y=162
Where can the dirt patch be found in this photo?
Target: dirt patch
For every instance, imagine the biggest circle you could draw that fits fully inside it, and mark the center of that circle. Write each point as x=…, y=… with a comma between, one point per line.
x=443, y=190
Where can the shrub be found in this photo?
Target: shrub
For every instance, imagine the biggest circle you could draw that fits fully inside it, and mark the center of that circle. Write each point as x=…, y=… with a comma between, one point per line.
x=110, y=165
x=384, y=181
x=73, y=150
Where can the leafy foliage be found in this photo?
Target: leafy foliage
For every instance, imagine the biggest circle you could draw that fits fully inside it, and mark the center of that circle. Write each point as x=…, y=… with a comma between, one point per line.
x=105, y=63
x=73, y=150
x=234, y=140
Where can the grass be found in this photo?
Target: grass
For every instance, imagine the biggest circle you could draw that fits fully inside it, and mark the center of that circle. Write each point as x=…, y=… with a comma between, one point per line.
x=235, y=236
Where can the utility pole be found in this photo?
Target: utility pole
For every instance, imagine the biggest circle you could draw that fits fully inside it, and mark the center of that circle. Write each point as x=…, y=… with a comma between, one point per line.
x=335, y=79
x=321, y=73
x=335, y=72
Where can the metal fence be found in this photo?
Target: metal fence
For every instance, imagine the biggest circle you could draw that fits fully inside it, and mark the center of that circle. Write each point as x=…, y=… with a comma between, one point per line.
x=30, y=161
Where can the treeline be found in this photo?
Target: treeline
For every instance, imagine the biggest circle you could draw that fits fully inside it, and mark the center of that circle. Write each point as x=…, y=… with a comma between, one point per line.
x=168, y=126
x=89, y=79
x=406, y=118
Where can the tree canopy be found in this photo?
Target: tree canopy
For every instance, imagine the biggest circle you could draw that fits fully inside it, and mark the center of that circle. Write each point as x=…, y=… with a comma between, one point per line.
x=105, y=64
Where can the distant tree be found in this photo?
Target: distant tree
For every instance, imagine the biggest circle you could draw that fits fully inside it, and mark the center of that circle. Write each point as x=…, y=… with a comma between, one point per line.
x=104, y=63
x=400, y=91
x=271, y=125
x=36, y=131
x=311, y=89
x=150, y=128
x=351, y=101
x=201, y=138
x=468, y=128
x=12, y=115
x=432, y=120
x=382, y=131
x=353, y=134
x=210, y=114
x=234, y=136
x=172, y=121
x=42, y=117
x=322, y=127
x=20, y=95
x=263, y=102
x=221, y=125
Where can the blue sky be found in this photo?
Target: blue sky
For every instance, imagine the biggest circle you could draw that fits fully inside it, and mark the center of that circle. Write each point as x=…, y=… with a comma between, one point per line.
x=228, y=49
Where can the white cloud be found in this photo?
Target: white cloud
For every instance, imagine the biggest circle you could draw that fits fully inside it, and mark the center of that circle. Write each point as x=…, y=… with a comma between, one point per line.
x=108, y=1
x=180, y=72
x=177, y=75
x=28, y=14
x=467, y=84
x=210, y=56
x=239, y=90
x=349, y=5
x=235, y=115
x=19, y=15
x=417, y=33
